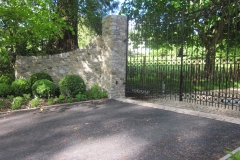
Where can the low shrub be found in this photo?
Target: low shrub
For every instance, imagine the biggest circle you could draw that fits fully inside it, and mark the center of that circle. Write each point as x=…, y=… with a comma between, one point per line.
x=50, y=101
x=34, y=102
x=21, y=86
x=71, y=85
x=81, y=97
x=8, y=79
x=10, y=97
x=38, y=76
x=57, y=91
x=96, y=92
x=5, y=89
x=27, y=97
x=235, y=156
x=17, y=103
x=70, y=100
x=4, y=104
x=60, y=99
x=43, y=88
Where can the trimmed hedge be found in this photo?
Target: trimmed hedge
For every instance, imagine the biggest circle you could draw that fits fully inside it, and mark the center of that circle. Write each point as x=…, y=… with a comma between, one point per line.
x=5, y=89
x=20, y=86
x=71, y=85
x=38, y=76
x=43, y=88
x=17, y=103
x=8, y=79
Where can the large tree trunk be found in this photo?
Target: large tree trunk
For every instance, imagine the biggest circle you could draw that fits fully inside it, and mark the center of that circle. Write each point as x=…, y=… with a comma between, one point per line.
x=210, y=60
x=69, y=10
x=210, y=38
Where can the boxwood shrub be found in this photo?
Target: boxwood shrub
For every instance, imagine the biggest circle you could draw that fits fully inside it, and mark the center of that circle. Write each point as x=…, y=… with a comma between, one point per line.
x=8, y=79
x=96, y=92
x=43, y=88
x=5, y=89
x=71, y=85
x=21, y=86
x=17, y=103
x=39, y=76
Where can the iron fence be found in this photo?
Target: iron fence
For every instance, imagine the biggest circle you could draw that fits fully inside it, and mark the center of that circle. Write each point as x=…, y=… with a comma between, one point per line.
x=186, y=57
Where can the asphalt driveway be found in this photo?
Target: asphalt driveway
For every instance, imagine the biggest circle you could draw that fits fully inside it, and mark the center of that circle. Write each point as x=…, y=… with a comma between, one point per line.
x=113, y=130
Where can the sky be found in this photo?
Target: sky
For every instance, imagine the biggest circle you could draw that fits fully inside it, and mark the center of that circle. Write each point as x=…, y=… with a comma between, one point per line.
x=121, y=1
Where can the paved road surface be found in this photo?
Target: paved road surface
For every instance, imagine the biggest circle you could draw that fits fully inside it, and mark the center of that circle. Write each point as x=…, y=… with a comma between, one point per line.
x=113, y=130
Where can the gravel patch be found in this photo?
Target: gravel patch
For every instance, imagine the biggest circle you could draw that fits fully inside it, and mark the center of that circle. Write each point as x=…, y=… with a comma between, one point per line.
x=235, y=112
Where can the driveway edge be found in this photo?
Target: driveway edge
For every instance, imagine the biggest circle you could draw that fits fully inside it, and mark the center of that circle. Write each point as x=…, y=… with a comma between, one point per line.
x=183, y=111
x=50, y=106
x=229, y=155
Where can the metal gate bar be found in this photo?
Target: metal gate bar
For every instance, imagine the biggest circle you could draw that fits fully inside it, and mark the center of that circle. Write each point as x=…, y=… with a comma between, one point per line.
x=166, y=59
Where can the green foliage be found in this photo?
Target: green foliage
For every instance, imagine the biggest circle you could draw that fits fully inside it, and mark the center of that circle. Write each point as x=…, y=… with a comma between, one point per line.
x=29, y=27
x=93, y=11
x=82, y=14
x=5, y=104
x=34, y=102
x=70, y=100
x=57, y=91
x=81, y=97
x=71, y=85
x=21, y=86
x=209, y=25
x=8, y=79
x=5, y=89
x=25, y=24
x=6, y=65
x=43, y=88
x=17, y=103
x=27, y=97
x=50, y=101
x=96, y=92
x=10, y=97
x=38, y=76
x=234, y=156
x=85, y=35
x=60, y=99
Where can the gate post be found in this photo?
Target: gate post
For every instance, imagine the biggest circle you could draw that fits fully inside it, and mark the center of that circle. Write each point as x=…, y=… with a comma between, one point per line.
x=114, y=34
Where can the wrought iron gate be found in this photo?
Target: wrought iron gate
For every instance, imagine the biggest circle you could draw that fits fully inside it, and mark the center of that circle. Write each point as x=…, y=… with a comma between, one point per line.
x=176, y=57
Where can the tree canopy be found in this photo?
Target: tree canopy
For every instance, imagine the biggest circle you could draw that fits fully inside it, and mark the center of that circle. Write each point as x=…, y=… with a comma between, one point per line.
x=40, y=26
x=211, y=24
x=88, y=13
x=25, y=24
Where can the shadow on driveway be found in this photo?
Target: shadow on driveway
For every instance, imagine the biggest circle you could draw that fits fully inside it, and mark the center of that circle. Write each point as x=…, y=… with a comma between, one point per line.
x=110, y=129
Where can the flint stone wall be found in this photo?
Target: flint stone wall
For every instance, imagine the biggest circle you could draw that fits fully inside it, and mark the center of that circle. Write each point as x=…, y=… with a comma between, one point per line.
x=103, y=61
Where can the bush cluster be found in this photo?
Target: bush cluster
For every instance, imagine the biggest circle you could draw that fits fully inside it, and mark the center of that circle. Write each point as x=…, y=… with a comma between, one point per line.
x=34, y=102
x=70, y=88
x=38, y=76
x=71, y=85
x=21, y=86
x=8, y=79
x=17, y=103
x=96, y=92
x=43, y=88
x=5, y=89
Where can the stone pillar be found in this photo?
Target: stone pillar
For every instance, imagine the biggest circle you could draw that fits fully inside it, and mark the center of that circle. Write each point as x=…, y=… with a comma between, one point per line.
x=114, y=34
